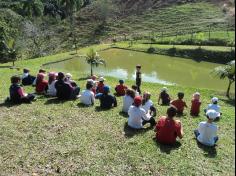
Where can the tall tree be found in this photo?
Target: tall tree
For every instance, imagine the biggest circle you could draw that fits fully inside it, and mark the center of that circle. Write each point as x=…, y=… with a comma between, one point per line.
x=32, y=7
x=227, y=71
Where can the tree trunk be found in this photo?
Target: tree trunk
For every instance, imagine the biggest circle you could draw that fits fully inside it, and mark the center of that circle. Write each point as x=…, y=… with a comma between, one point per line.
x=13, y=63
x=91, y=70
x=229, y=87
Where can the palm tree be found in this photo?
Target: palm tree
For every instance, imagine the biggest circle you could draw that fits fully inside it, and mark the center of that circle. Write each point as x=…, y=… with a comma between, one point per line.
x=227, y=71
x=11, y=51
x=94, y=60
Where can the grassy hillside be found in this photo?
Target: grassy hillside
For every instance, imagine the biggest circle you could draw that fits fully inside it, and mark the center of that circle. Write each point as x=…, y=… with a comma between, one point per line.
x=50, y=137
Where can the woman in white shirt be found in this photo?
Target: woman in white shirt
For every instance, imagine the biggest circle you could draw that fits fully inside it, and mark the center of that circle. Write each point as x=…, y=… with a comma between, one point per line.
x=138, y=116
x=88, y=97
x=128, y=100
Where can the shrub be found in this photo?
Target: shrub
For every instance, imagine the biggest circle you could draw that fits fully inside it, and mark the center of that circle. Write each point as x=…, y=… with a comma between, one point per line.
x=151, y=50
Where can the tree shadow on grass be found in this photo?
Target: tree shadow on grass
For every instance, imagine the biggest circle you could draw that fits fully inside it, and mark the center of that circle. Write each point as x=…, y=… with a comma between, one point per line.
x=123, y=114
x=164, y=148
x=229, y=101
x=210, y=152
x=130, y=132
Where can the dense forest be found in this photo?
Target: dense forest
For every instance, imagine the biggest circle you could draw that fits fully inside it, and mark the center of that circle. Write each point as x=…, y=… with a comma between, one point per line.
x=33, y=28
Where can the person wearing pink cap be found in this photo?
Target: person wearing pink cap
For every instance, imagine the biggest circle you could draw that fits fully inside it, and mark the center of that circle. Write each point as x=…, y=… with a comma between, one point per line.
x=206, y=133
x=138, y=116
x=196, y=104
x=41, y=84
x=52, y=91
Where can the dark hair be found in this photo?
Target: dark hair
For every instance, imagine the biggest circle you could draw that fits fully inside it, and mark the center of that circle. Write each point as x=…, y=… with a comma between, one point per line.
x=89, y=86
x=181, y=95
x=138, y=66
x=61, y=76
x=134, y=87
x=131, y=93
x=171, y=111
x=26, y=70
x=42, y=71
x=15, y=79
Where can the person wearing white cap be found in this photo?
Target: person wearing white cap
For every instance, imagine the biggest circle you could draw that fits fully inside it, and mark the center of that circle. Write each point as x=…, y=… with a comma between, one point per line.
x=68, y=78
x=214, y=106
x=164, y=97
x=206, y=133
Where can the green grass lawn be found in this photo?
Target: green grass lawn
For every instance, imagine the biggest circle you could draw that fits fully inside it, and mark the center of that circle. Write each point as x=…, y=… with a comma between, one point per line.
x=49, y=137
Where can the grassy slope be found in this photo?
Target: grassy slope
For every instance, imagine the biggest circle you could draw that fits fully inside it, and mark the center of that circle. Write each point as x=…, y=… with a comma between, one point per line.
x=49, y=137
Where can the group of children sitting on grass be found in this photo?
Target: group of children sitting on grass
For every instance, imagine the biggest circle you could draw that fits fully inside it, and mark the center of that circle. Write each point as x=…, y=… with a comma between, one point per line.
x=140, y=108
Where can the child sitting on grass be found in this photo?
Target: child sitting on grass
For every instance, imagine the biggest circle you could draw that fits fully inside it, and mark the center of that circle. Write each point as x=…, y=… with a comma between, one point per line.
x=215, y=106
x=107, y=101
x=164, y=97
x=40, y=71
x=206, y=133
x=128, y=100
x=69, y=80
x=88, y=97
x=101, y=85
x=196, y=104
x=148, y=105
x=41, y=84
x=135, y=88
x=167, y=129
x=180, y=104
x=17, y=94
x=52, y=79
x=120, y=89
x=27, y=79
x=138, y=116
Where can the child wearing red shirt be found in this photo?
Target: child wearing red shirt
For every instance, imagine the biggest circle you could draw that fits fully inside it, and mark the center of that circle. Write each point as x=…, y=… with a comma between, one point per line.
x=41, y=84
x=168, y=129
x=101, y=85
x=121, y=88
x=179, y=103
x=196, y=104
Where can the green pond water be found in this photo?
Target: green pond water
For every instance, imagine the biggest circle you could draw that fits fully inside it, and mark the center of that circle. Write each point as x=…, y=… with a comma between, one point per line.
x=155, y=68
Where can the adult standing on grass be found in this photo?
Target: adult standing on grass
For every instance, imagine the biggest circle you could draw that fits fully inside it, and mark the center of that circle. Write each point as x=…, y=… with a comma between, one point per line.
x=138, y=78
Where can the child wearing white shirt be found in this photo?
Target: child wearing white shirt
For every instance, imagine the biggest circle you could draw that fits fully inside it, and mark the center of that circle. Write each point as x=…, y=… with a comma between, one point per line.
x=128, y=100
x=138, y=116
x=88, y=97
x=214, y=106
x=148, y=105
x=206, y=133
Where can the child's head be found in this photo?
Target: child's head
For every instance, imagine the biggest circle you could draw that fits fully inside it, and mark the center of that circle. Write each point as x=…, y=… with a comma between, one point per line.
x=135, y=88
x=215, y=100
x=25, y=70
x=130, y=92
x=52, y=76
x=15, y=79
x=137, y=101
x=121, y=82
x=89, y=86
x=68, y=76
x=180, y=95
x=138, y=67
x=146, y=96
x=164, y=89
x=94, y=77
x=196, y=96
x=40, y=76
x=171, y=112
x=61, y=76
x=106, y=89
x=42, y=71
x=212, y=115
x=102, y=80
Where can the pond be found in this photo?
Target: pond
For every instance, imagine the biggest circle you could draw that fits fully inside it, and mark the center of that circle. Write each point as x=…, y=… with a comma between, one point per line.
x=155, y=68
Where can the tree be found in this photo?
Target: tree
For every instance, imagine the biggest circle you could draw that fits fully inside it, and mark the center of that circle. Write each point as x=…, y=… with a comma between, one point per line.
x=227, y=71
x=32, y=8
x=94, y=60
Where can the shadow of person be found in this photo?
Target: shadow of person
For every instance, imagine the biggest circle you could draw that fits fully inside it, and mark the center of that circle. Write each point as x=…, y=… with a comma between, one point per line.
x=210, y=152
x=131, y=132
x=81, y=105
x=99, y=109
x=55, y=101
x=229, y=101
x=123, y=114
x=165, y=148
x=9, y=104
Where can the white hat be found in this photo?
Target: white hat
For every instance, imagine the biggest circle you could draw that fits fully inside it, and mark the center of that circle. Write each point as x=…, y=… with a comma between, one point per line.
x=197, y=93
x=212, y=114
x=164, y=89
x=101, y=79
x=68, y=75
x=214, y=100
x=90, y=81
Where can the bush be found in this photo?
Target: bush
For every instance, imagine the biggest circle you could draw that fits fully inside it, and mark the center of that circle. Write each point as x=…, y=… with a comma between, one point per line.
x=151, y=50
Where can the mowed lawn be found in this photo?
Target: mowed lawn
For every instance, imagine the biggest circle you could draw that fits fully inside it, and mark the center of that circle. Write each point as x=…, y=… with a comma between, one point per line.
x=49, y=137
